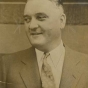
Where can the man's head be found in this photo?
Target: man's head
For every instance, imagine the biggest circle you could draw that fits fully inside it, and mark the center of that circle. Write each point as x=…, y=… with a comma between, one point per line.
x=44, y=20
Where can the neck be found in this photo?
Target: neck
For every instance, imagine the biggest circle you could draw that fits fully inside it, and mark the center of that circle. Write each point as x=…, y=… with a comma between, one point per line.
x=50, y=46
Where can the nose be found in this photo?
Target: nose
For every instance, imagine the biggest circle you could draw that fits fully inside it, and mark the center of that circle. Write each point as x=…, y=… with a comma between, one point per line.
x=33, y=24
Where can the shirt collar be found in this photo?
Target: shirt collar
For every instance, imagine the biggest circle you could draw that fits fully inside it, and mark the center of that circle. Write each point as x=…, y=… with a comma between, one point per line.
x=55, y=54
x=39, y=54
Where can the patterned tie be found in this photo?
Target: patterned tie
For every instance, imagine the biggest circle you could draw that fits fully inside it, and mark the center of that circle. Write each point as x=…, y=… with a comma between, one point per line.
x=46, y=74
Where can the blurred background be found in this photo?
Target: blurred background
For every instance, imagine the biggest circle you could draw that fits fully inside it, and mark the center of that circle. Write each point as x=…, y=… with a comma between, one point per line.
x=12, y=30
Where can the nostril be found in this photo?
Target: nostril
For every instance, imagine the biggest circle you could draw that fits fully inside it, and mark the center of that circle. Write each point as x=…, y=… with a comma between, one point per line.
x=35, y=26
x=33, y=29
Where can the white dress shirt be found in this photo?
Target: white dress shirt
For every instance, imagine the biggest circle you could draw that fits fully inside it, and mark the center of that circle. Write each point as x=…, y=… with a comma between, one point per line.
x=55, y=60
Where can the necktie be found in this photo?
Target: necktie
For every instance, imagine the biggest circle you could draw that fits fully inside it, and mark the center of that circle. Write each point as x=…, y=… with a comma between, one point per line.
x=46, y=74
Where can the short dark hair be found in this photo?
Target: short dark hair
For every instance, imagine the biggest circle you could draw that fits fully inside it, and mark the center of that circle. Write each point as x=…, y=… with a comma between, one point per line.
x=58, y=2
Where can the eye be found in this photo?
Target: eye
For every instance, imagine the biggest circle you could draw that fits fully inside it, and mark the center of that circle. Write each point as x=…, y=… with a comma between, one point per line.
x=41, y=17
x=27, y=19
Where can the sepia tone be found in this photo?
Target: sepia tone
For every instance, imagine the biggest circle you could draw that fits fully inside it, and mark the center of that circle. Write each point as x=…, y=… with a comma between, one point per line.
x=24, y=69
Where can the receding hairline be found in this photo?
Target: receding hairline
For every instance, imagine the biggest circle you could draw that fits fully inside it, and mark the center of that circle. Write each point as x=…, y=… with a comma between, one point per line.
x=55, y=2
x=59, y=5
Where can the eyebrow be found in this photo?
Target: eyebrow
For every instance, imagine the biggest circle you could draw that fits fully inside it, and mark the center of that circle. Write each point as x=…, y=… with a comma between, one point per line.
x=42, y=13
x=26, y=16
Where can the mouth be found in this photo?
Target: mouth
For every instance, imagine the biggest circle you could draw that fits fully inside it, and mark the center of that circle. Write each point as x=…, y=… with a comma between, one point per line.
x=36, y=33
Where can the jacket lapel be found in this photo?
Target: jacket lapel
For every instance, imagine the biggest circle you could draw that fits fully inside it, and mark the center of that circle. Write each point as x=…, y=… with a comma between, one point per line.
x=30, y=72
x=70, y=73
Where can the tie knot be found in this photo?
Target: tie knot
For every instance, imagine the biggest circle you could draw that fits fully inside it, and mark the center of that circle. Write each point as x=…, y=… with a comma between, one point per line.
x=46, y=54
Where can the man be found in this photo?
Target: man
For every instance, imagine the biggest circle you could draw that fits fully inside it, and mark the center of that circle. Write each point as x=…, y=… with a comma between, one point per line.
x=48, y=63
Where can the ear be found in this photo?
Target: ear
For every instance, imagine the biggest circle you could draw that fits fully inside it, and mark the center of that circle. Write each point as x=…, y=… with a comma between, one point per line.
x=62, y=21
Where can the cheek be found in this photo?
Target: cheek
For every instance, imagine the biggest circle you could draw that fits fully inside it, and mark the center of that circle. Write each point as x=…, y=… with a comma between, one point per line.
x=46, y=26
x=54, y=24
x=26, y=27
x=50, y=28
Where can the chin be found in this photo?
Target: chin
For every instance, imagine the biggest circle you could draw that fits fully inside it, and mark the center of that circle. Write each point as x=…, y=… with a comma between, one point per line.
x=37, y=44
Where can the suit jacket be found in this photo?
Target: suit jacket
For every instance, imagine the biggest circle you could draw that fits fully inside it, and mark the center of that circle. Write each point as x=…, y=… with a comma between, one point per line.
x=20, y=70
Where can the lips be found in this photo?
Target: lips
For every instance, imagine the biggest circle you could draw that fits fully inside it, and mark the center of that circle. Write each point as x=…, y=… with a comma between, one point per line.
x=36, y=33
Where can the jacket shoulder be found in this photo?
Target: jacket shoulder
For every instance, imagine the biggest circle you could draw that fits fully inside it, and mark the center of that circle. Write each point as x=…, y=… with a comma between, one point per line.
x=15, y=58
x=76, y=57
x=75, y=54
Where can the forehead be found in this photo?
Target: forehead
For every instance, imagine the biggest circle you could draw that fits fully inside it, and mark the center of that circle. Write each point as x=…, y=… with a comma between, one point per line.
x=45, y=6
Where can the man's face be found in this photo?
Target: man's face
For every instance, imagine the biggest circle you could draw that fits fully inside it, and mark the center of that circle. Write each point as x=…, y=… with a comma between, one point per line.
x=42, y=22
